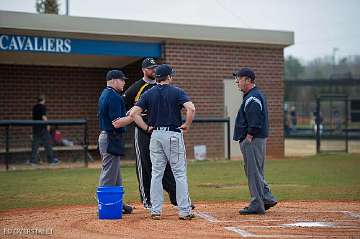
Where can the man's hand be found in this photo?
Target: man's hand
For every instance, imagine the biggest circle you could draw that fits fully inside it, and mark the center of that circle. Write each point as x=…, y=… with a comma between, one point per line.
x=249, y=137
x=149, y=129
x=185, y=127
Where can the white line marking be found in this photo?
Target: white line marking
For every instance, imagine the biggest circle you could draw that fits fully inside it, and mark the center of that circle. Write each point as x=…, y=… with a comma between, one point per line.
x=309, y=224
x=282, y=226
x=242, y=233
x=324, y=211
x=206, y=216
x=352, y=214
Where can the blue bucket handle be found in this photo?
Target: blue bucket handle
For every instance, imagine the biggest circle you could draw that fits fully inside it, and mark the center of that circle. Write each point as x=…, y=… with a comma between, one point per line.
x=106, y=204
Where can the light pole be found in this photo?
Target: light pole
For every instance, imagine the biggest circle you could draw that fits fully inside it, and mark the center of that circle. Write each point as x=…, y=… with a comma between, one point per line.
x=335, y=49
x=67, y=7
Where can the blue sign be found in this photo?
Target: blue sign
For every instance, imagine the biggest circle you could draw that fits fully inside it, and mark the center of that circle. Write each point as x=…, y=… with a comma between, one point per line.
x=78, y=46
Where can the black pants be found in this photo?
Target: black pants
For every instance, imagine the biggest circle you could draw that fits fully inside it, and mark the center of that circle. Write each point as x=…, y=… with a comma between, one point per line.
x=42, y=138
x=143, y=169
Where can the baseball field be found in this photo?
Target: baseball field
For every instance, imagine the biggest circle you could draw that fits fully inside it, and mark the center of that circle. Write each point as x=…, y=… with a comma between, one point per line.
x=319, y=196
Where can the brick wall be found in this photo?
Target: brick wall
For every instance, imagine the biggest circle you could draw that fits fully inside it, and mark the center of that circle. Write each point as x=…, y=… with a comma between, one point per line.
x=201, y=68
x=72, y=92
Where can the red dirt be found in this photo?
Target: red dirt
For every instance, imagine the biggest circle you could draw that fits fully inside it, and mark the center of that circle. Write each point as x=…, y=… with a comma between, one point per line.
x=81, y=222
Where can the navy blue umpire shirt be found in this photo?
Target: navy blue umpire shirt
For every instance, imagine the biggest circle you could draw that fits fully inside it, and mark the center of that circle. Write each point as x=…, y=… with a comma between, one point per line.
x=111, y=107
x=252, y=117
x=164, y=104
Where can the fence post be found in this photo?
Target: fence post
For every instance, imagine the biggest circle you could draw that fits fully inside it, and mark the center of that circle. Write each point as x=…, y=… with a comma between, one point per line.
x=7, y=146
x=86, y=144
x=346, y=125
x=317, y=123
x=228, y=139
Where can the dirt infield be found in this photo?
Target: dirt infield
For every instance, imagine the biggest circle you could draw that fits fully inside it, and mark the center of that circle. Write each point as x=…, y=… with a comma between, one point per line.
x=318, y=219
x=308, y=146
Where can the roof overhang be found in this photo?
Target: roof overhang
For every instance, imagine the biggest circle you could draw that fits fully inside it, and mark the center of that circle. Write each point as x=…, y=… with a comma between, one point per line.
x=95, y=36
x=141, y=29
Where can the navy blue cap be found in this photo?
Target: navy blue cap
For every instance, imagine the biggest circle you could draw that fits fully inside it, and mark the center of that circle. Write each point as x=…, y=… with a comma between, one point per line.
x=115, y=74
x=149, y=63
x=245, y=72
x=163, y=71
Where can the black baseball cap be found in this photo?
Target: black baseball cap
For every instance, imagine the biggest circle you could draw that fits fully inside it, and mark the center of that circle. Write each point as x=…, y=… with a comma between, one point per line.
x=115, y=74
x=149, y=63
x=245, y=72
x=163, y=71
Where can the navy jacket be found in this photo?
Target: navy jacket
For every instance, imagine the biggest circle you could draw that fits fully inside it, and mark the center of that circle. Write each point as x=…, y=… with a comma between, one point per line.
x=110, y=108
x=252, y=117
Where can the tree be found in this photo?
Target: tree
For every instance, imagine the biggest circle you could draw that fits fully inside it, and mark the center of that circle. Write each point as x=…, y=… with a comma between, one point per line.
x=293, y=68
x=47, y=6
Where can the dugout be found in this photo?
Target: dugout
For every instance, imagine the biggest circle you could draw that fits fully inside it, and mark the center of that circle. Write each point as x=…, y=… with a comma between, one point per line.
x=66, y=58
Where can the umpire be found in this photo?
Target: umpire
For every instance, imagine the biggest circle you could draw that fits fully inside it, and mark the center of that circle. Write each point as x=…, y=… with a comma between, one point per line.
x=112, y=119
x=142, y=138
x=251, y=130
x=164, y=103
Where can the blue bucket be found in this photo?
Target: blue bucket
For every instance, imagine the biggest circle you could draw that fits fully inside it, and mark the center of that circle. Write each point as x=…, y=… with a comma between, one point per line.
x=110, y=202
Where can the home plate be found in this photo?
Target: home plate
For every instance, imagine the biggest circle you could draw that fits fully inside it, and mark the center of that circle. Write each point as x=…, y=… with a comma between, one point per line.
x=309, y=224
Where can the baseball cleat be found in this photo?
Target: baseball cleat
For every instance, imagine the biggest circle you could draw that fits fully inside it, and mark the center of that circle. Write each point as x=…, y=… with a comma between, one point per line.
x=187, y=217
x=147, y=206
x=127, y=209
x=247, y=211
x=155, y=216
x=267, y=206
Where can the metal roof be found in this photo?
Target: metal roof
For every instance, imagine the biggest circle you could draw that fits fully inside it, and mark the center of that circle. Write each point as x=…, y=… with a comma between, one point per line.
x=145, y=30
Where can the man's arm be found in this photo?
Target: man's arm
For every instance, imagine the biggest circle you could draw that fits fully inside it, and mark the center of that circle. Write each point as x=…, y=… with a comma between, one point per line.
x=117, y=112
x=121, y=122
x=44, y=118
x=190, y=113
x=135, y=114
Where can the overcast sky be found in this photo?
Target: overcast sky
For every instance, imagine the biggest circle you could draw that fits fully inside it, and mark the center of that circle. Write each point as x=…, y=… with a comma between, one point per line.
x=319, y=25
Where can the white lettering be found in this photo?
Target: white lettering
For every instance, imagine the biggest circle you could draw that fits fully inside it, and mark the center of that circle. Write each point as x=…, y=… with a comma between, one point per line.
x=13, y=45
x=28, y=45
x=44, y=44
x=21, y=40
x=67, y=48
x=51, y=44
x=2, y=38
x=36, y=44
x=59, y=45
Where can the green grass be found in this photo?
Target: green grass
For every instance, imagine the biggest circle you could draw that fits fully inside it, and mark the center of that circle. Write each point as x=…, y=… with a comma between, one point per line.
x=325, y=177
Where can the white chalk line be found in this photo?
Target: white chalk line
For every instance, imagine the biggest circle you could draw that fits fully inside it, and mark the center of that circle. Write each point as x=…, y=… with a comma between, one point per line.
x=242, y=233
x=206, y=216
x=245, y=233
x=352, y=214
x=281, y=226
x=304, y=211
x=213, y=219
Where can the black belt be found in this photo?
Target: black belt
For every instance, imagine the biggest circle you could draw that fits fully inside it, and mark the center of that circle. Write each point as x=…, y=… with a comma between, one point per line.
x=168, y=129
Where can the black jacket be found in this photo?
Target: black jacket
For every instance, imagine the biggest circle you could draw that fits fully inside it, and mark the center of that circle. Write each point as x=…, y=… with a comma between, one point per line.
x=252, y=117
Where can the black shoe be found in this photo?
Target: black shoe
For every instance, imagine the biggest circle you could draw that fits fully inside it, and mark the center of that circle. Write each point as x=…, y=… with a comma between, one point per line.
x=187, y=217
x=267, y=206
x=155, y=216
x=127, y=209
x=31, y=163
x=147, y=206
x=247, y=211
x=55, y=162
